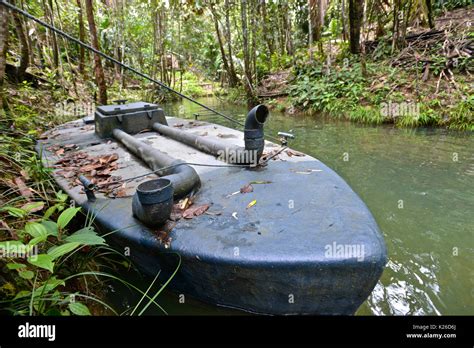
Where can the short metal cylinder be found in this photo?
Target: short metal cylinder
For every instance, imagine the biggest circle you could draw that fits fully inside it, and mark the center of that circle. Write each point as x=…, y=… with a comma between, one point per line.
x=153, y=202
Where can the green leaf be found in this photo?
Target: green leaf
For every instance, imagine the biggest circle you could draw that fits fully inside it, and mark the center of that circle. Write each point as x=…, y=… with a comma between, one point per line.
x=33, y=207
x=35, y=229
x=37, y=240
x=66, y=217
x=26, y=274
x=50, y=211
x=79, y=308
x=51, y=284
x=15, y=212
x=51, y=227
x=14, y=265
x=22, y=293
x=43, y=261
x=86, y=236
x=61, y=250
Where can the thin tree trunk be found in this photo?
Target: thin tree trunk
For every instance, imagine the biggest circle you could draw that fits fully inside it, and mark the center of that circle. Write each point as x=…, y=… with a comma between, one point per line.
x=245, y=49
x=99, y=71
x=233, y=80
x=429, y=8
x=356, y=14
x=310, y=32
x=54, y=39
x=343, y=20
x=82, y=34
x=268, y=35
x=396, y=24
x=24, y=51
x=4, y=19
x=219, y=40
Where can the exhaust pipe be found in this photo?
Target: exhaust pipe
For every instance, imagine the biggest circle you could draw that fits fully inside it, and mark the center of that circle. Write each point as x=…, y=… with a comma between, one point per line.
x=253, y=137
x=183, y=178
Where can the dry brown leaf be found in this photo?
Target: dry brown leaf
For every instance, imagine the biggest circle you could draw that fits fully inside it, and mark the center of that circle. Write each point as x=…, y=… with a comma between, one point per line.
x=246, y=189
x=225, y=136
x=25, y=191
x=294, y=153
x=195, y=211
x=59, y=152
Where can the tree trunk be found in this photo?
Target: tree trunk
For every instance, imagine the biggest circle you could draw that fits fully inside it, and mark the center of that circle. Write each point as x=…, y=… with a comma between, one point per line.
x=268, y=35
x=219, y=40
x=54, y=39
x=4, y=19
x=356, y=14
x=396, y=24
x=245, y=49
x=24, y=51
x=233, y=80
x=343, y=20
x=430, y=14
x=82, y=37
x=99, y=71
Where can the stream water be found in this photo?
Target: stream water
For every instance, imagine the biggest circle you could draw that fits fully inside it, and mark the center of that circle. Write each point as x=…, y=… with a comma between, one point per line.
x=419, y=185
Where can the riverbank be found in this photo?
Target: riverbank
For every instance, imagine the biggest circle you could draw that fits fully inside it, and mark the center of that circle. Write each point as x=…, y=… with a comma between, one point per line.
x=53, y=262
x=427, y=83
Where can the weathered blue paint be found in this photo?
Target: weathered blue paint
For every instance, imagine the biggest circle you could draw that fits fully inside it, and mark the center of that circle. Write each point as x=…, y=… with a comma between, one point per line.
x=274, y=258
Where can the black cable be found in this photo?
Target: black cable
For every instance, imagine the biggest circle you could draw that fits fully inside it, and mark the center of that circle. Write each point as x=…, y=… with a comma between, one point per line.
x=69, y=37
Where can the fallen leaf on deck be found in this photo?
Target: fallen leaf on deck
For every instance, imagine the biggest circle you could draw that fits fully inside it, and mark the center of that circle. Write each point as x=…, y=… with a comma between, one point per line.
x=294, y=153
x=246, y=189
x=225, y=136
x=186, y=203
x=213, y=213
x=178, y=125
x=251, y=204
x=195, y=211
x=123, y=192
x=306, y=171
x=164, y=238
x=234, y=215
x=59, y=152
x=260, y=182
